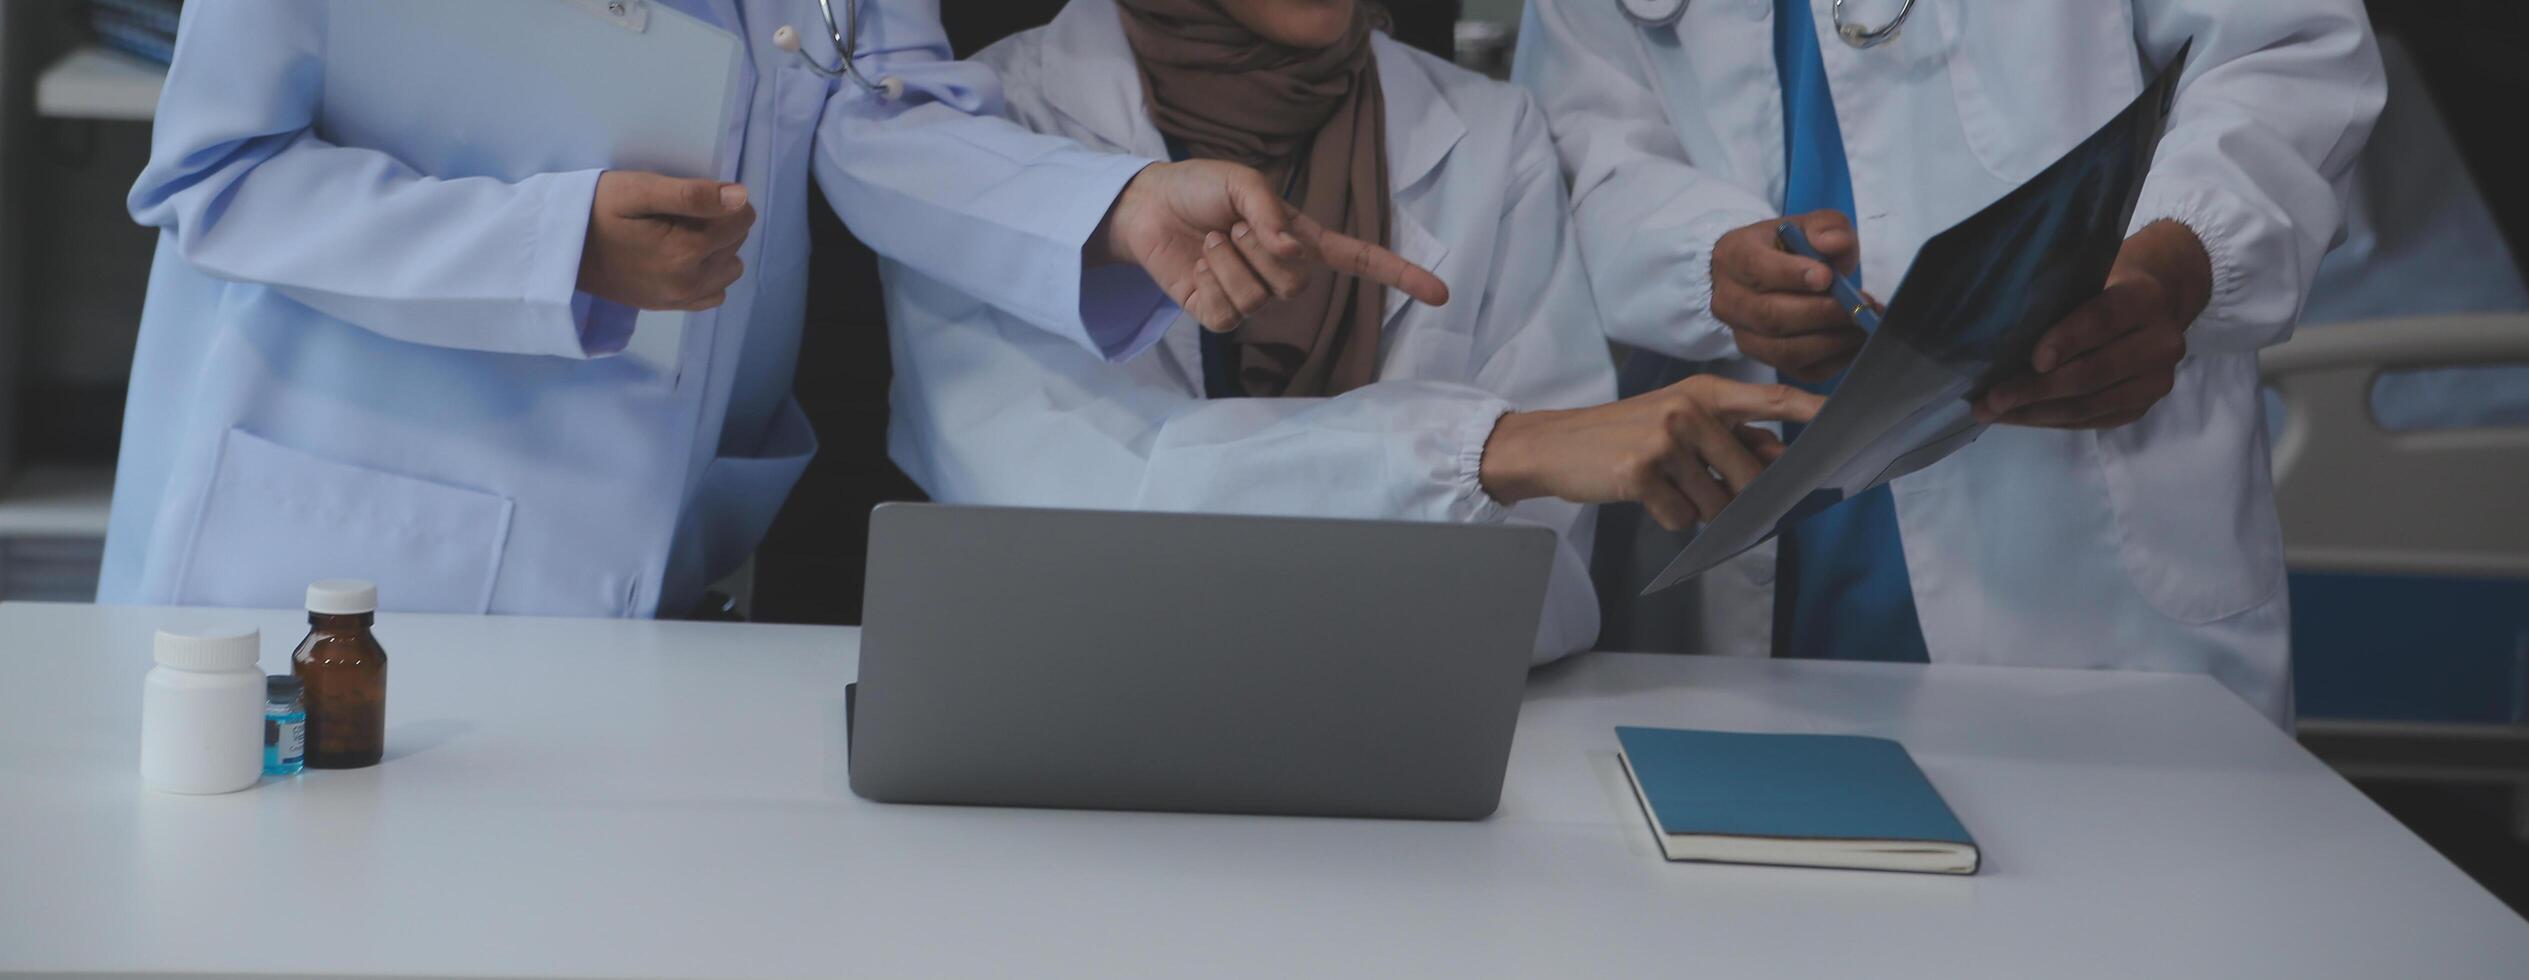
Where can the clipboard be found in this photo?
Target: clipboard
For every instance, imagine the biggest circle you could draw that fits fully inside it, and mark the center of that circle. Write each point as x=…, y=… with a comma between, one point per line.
x=1966, y=317
x=508, y=89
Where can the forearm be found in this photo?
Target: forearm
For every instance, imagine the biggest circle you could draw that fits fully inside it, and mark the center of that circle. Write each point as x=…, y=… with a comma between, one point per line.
x=1003, y=214
x=1001, y=402
x=938, y=180
x=1513, y=470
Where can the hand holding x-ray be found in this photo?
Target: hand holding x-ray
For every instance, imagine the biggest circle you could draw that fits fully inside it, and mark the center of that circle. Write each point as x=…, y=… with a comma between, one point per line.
x=1966, y=321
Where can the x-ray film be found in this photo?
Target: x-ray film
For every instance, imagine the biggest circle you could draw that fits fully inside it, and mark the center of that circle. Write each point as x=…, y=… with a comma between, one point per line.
x=1967, y=316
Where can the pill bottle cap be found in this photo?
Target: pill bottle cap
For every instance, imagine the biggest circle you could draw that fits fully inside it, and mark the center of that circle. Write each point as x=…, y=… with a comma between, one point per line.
x=283, y=689
x=211, y=649
x=342, y=597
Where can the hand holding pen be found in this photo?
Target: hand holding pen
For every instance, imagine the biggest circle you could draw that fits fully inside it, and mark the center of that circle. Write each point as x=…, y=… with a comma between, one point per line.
x=1782, y=308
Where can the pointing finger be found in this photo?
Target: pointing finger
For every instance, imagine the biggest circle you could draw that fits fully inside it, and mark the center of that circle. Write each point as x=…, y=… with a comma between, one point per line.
x=1346, y=254
x=1738, y=404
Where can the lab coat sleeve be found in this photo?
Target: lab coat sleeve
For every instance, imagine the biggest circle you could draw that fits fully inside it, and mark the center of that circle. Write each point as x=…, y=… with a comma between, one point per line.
x=249, y=192
x=1021, y=418
x=940, y=182
x=2277, y=101
x=1647, y=216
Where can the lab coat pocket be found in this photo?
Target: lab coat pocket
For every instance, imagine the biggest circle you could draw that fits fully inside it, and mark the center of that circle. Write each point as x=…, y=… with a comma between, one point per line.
x=2193, y=498
x=2032, y=80
x=276, y=518
x=1428, y=350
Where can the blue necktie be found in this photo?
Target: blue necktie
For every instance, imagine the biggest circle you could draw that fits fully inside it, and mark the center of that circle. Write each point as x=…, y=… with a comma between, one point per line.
x=1841, y=590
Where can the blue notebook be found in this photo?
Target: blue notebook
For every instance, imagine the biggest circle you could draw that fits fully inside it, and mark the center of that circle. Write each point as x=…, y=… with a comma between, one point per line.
x=1826, y=801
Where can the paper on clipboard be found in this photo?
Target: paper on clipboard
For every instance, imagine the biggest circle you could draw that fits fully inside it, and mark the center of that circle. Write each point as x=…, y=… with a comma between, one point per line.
x=508, y=89
x=1967, y=316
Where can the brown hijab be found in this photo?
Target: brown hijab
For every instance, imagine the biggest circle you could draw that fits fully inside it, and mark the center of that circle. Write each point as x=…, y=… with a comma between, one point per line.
x=1314, y=122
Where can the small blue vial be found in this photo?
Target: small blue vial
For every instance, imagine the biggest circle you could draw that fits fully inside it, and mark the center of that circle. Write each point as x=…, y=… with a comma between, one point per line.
x=284, y=726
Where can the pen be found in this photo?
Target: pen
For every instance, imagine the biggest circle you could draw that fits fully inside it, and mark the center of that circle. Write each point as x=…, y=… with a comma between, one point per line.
x=1845, y=290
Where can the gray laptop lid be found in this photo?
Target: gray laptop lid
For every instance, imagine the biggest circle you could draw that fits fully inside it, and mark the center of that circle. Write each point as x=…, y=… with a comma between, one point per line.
x=1143, y=661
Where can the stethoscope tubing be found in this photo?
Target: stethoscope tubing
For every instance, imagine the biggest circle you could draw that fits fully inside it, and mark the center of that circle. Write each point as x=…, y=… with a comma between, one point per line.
x=845, y=33
x=1854, y=35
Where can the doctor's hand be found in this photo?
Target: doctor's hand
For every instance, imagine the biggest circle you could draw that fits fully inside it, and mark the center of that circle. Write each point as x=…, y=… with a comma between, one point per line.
x=1681, y=452
x=1776, y=303
x=1217, y=238
x=664, y=243
x=2117, y=355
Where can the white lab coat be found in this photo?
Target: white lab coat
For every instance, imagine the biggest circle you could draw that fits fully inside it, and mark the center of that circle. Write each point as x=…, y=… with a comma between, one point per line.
x=2153, y=546
x=988, y=410
x=350, y=367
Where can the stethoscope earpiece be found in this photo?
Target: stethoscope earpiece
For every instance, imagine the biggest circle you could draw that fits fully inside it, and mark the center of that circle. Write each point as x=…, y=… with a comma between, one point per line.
x=1652, y=13
x=846, y=36
x=1869, y=37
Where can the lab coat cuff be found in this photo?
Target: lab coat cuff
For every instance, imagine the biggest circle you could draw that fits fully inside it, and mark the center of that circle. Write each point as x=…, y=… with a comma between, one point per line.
x=1119, y=311
x=558, y=321
x=1475, y=504
x=1695, y=334
x=2220, y=221
x=1123, y=311
x=605, y=325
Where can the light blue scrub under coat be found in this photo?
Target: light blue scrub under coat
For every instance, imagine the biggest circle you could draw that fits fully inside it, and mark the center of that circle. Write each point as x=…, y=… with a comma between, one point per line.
x=348, y=368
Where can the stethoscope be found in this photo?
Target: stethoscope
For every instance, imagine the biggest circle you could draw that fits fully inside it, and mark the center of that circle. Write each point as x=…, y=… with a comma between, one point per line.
x=847, y=39
x=1662, y=13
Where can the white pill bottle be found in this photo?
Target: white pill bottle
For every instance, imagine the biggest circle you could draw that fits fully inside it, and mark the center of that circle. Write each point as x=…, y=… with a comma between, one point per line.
x=202, y=713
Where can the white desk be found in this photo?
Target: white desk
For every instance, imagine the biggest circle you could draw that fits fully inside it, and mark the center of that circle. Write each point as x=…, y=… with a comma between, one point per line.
x=592, y=798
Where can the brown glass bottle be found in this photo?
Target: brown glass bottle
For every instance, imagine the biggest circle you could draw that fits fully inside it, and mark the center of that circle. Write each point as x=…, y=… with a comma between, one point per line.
x=344, y=670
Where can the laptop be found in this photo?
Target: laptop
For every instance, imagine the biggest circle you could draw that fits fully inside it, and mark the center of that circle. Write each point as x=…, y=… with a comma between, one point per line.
x=1187, y=662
